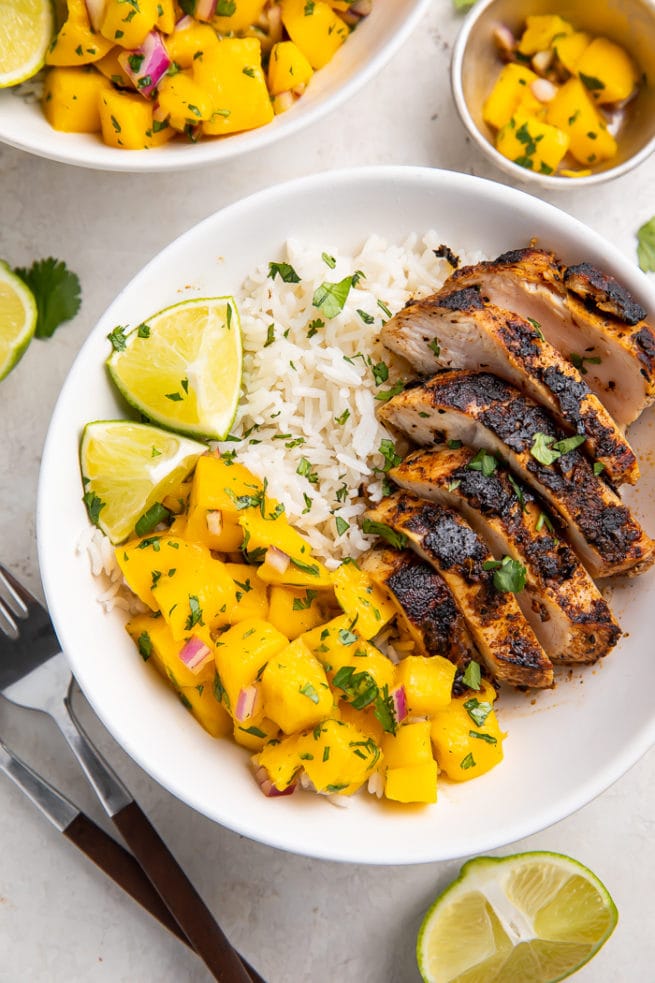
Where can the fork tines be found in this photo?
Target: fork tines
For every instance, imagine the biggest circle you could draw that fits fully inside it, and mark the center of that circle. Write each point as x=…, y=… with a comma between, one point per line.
x=12, y=606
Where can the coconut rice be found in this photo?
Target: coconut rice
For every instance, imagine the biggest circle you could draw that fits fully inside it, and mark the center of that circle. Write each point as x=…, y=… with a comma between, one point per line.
x=311, y=383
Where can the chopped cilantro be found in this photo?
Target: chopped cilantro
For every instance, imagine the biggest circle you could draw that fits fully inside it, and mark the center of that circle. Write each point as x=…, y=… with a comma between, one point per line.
x=285, y=271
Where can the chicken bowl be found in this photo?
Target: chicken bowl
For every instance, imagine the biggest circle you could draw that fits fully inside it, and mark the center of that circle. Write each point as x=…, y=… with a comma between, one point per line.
x=497, y=497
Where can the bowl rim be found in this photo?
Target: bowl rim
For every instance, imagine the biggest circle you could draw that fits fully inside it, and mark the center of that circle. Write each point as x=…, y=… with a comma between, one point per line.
x=103, y=158
x=551, y=182
x=393, y=175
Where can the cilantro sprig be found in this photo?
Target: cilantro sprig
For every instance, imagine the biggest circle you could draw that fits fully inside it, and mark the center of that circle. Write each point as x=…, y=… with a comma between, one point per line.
x=56, y=290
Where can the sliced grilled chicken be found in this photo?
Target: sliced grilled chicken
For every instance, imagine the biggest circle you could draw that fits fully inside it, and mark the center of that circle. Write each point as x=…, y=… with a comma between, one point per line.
x=503, y=637
x=425, y=604
x=616, y=355
x=567, y=612
x=457, y=329
x=485, y=412
x=604, y=292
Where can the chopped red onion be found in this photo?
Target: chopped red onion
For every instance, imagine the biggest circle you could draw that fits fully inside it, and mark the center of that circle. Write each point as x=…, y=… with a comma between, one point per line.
x=399, y=698
x=277, y=559
x=267, y=786
x=204, y=9
x=184, y=22
x=215, y=522
x=195, y=654
x=96, y=11
x=249, y=702
x=147, y=65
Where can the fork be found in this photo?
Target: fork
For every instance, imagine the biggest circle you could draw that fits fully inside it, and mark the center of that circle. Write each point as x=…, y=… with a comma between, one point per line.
x=34, y=674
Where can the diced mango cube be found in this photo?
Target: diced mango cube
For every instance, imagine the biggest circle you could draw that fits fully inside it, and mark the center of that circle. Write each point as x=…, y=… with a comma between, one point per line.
x=540, y=32
x=573, y=111
x=76, y=42
x=250, y=594
x=242, y=13
x=364, y=720
x=182, y=101
x=261, y=532
x=255, y=736
x=294, y=610
x=287, y=68
x=428, y=682
x=190, y=41
x=242, y=653
x=281, y=759
x=208, y=711
x=112, y=69
x=232, y=76
x=71, y=99
x=607, y=71
x=128, y=22
x=142, y=561
x=569, y=49
x=220, y=491
x=315, y=28
x=511, y=86
x=126, y=120
x=412, y=783
x=154, y=640
x=338, y=757
x=410, y=745
x=367, y=604
x=296, y=690
x=166, y=16
x=466, y=737
x=532, y=144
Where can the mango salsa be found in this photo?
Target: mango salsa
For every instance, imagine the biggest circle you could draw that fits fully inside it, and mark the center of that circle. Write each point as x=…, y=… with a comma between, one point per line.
x=547, y=106
x=270, y=664
x=199, y=73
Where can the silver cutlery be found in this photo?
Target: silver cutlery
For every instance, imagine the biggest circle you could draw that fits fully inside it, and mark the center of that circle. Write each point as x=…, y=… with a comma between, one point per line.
x=34, y=674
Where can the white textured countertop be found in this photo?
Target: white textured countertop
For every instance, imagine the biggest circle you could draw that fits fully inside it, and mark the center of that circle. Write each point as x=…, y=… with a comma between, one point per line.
x=297, y=920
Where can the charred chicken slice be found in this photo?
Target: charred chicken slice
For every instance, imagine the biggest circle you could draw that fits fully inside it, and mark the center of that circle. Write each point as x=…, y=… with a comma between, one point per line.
x=567, y=612
x=485, y=412
x=457, y=329
x=426, y=607
x=503, y=637
x=591, y=325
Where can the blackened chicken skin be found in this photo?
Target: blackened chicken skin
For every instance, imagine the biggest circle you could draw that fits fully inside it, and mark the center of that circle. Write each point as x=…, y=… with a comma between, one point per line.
x=485, y=412
x=567, y=612
x=443, y=539
x=591, y=324
x=426, y=606
x=457, y=329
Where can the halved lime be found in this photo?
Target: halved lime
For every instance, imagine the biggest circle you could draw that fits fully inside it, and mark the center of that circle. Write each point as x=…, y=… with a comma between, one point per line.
x=527, y=918
x=127, y=469
x=181, y=368
x=27, y=29
x=17, y=317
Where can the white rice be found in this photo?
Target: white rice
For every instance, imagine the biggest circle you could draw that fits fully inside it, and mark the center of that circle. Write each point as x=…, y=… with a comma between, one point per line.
x=298, y=384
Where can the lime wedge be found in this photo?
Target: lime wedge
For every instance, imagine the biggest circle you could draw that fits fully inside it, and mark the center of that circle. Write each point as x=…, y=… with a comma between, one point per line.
x=182, y=367
x=27, y=29
x=127, y=469
x=527, y=918
x=17, y=318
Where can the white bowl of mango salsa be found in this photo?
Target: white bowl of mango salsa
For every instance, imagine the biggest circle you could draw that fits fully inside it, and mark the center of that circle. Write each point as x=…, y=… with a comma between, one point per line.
x=159, y=86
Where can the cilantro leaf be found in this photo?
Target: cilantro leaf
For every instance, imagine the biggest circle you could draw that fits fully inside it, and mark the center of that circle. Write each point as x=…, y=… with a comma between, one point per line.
x=285, y=271
x=330, y=297
x=56, y=292
x=646, y=246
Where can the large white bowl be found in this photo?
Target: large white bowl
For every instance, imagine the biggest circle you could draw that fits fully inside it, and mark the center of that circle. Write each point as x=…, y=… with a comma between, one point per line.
x=23, y=125
x=564, y=746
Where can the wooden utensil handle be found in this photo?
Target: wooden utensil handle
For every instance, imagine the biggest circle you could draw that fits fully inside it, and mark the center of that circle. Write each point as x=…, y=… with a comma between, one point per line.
x=182, y=899
x=121, y=866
